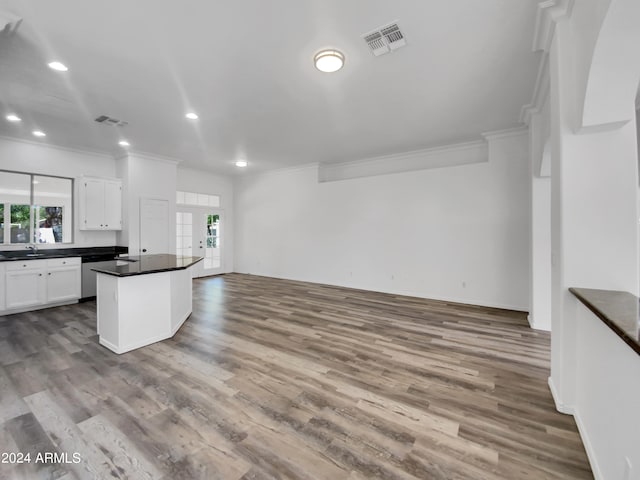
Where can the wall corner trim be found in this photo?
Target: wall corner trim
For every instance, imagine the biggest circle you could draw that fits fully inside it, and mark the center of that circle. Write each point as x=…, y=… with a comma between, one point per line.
x=561, y=407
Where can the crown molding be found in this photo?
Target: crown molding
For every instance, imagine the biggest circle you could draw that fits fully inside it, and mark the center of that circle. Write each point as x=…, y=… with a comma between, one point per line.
x=206, y=172
x=53, y=146
x=550, y=12
x=152, y=156
x=275, y=171
x=540, y=92
x=506, y=133
x=455, y=147
x=463, y=153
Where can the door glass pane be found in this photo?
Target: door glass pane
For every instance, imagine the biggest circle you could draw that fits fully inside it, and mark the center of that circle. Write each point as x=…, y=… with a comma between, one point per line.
x=212, y=252
x=184, y=232
x=52, y=200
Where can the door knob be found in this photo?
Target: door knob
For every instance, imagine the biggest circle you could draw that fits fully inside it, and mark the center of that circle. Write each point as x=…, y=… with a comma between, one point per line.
x=144, y=250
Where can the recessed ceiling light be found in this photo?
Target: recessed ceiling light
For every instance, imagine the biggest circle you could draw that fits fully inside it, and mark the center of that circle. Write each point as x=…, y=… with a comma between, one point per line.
x=241, y=163
x=39, y=133
x=329, y=61
x=60, y=67
x=191, y=116
x=124, y=143
x=13, y=118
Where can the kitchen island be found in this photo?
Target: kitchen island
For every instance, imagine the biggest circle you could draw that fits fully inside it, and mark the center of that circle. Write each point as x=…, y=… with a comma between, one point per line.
x=142, y=299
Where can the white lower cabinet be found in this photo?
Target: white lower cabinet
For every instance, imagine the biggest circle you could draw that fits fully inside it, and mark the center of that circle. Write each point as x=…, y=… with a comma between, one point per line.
x=38, y=283
x=64, y=280
x=26, y=283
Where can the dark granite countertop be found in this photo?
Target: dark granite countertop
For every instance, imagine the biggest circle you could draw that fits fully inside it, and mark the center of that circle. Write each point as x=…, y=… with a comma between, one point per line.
x=618, y=310
x=88, y=254
x=145, y=264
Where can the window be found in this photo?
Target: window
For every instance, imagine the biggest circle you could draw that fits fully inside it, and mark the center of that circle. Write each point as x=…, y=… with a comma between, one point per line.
x=35, y=208
x=200, y=199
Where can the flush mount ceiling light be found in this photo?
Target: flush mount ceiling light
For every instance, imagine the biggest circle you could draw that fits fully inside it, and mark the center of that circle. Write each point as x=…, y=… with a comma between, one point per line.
x=241, y=163
x=13, y=118
x=124, y=143
x=60, y=67
x=329, y=61
x=191, y=116
x=39, y=133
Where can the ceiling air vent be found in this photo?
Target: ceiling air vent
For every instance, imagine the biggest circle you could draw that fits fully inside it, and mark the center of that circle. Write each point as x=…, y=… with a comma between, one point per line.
x=114, y=122
x=385, y=39
x=376, y=43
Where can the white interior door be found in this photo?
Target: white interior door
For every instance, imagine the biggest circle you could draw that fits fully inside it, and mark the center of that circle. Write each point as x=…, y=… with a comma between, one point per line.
x=154, y=226
x=199, y=234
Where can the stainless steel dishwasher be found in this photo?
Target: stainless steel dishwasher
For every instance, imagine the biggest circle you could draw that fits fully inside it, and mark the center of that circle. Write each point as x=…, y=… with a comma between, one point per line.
x=96, y=259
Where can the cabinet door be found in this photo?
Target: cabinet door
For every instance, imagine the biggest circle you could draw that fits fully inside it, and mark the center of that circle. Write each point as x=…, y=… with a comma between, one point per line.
x=92, y=208
x=112, y=205
x=25, y=288
x=63, y=284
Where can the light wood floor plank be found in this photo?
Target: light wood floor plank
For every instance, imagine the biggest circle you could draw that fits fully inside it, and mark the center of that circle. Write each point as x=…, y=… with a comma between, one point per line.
x=277, y=379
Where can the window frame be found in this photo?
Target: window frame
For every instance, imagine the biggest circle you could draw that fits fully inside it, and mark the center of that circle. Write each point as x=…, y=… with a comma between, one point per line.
x=32, y=229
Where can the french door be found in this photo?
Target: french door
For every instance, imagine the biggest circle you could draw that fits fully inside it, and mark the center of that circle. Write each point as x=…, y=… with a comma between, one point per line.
x=199, y=234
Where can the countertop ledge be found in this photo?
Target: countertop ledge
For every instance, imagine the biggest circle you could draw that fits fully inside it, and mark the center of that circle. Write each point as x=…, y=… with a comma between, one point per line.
x=618, y=310
x=145, y=264
x=86, y=253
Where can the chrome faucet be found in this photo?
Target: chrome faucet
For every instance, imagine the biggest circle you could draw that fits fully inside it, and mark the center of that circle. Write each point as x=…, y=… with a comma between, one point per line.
x=33, y=247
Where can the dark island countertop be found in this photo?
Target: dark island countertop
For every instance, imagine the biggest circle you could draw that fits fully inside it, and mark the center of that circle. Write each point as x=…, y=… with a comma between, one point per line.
x=145, y=264
x=618, y=310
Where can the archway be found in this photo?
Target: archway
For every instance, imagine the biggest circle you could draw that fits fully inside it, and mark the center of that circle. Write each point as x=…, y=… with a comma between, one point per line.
x=614, y=72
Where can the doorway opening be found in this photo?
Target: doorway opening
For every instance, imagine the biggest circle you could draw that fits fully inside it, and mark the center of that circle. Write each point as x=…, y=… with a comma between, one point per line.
x=199, y=233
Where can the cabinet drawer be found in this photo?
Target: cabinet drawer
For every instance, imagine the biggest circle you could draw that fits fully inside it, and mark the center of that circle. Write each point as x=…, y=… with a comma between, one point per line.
x=25, y=265
x=63, y=262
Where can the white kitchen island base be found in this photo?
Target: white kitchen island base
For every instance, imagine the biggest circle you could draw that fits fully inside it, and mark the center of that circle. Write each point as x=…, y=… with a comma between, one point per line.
x=138, y=310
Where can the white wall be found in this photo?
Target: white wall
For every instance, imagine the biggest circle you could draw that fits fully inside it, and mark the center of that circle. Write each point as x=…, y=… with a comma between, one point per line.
x=32, y=157
x=540, y=191
x=145, y=177
x=458, y=233
x=594, y=190
x=198, y=181
x=607, y=398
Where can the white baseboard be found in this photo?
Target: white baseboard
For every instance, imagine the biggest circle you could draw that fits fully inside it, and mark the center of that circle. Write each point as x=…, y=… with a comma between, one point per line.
x=145, y=342
x=32, y=308
x=561, y=407
x=134, y=345
x=179, y=325
x=586, y=441
x=403, y=292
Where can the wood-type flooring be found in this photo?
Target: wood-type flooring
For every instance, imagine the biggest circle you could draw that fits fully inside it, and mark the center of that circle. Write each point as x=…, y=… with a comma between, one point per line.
x=280, y=379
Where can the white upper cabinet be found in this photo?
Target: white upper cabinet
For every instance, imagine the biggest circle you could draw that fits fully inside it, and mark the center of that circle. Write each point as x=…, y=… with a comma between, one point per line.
x=100, y=201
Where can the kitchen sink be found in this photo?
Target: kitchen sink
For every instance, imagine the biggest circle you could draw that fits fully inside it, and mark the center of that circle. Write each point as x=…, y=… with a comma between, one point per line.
x=34, y=254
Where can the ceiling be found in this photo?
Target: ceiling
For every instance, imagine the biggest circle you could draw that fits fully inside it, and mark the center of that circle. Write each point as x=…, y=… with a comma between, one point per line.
x=246, y=68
